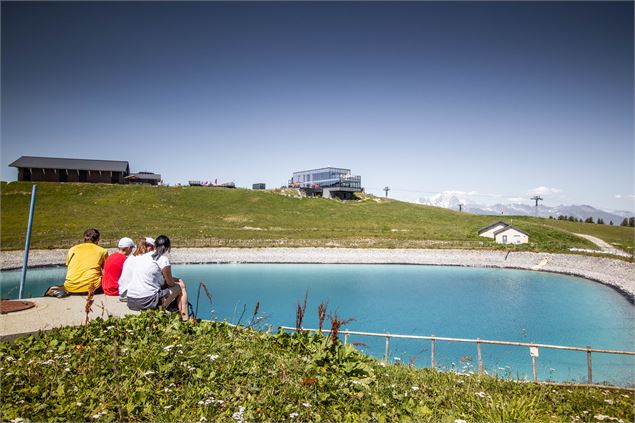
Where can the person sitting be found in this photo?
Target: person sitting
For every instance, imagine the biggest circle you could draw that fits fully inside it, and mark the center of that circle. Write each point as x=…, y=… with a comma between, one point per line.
x=144, y=245
x=114, y=265
x=151, y=283
x=85, y=263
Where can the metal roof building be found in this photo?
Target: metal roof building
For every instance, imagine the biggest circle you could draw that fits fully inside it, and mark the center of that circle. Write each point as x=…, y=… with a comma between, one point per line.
x=53, y=169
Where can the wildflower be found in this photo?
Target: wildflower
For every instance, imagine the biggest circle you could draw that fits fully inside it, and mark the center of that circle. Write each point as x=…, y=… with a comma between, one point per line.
x=49, y=351
x=167, y=407
x=609, y=401
x=9, y=358
x=191, y=368
x=202, y=419
x=238, y=416
x=97, y=339
x=415, y=388
x=79, y=404
x=129, y=331
x=148, y=373
x=168, y=348
x=480, y=394
x=212, y=357
x=306, y=404
x=167, y=390
x=382, y=364
x=293, y=415
x=67, y=369
x=47, y=362
x=459, y=421
x=109, y=327
x=600, y=417
x=98, y=415
x=18, y=420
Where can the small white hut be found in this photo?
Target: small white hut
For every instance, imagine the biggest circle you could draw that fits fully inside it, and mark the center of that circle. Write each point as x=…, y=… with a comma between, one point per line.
x=504, y=233
x=488, y=231
x=511, y=235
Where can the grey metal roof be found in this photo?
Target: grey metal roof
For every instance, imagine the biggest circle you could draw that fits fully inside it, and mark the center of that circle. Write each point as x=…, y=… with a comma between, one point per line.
x=322, y=168
x=144, y=175
x=509, y=227
x=74, y=164
x=492, y=225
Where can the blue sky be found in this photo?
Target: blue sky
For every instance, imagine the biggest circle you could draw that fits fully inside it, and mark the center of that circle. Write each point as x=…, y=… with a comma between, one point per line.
x=495, y=99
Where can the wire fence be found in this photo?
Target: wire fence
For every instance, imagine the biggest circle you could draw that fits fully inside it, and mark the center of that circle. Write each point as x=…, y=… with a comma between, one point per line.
x=533, y=348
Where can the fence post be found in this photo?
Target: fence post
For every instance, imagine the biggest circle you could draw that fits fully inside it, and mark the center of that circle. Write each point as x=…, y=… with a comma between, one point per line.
x=387, y=348
x=479, y=357
x=346, y=337
x=432, y=351
x=27, y=242
x=589, y=366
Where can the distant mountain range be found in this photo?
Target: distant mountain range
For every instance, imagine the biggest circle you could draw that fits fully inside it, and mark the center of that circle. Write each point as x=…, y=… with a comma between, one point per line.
x=452, y=201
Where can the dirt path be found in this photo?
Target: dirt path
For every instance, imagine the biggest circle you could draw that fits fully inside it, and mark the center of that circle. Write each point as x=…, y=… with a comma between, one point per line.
x=605, y=246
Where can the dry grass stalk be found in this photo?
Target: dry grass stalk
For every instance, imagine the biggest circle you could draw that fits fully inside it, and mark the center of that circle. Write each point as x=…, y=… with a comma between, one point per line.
x=90, y=299
x=321, y=315
x=253, y=316
x=299, y=314
x=207, y=294
x=336, y=324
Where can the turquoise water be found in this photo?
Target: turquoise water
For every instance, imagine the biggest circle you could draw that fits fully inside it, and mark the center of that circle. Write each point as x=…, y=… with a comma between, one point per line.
x=497, y=304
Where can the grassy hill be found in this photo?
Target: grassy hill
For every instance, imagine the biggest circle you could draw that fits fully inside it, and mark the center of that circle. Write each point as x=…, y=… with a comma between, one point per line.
x=200, y=216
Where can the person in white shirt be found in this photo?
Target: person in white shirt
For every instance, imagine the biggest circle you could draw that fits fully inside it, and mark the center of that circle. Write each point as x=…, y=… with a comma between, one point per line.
x=144, y=245
x=150, y=283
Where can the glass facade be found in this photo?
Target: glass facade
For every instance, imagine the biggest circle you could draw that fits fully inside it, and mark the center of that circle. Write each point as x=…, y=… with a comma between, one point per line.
x=326, y=177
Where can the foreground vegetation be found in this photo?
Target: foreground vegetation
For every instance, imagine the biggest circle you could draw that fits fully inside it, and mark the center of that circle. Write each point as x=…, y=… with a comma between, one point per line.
x=201, y=216
x=153, y=367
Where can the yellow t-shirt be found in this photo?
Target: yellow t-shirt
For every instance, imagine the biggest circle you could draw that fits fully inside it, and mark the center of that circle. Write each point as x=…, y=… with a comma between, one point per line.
x=85, y=262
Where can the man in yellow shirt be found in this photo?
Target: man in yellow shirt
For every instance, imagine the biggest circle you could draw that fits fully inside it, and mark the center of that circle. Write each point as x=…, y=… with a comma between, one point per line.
x=85, y=263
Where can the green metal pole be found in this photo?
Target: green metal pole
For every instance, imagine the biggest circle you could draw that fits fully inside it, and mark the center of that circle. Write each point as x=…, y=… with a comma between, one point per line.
x=27, y=243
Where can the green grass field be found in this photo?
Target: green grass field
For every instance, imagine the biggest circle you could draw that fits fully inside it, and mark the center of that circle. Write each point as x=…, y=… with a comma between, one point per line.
x=153, y=367
x=200, y=216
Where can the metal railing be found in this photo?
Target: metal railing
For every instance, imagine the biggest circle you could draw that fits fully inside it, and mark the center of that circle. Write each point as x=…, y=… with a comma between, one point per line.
x=533, y=348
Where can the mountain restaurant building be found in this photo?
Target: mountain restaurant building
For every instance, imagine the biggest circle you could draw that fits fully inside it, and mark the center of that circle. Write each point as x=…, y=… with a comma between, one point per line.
x=327, y=182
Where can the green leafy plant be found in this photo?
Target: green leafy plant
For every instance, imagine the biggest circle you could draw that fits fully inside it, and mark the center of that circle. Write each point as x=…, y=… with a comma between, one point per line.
x=155, y=367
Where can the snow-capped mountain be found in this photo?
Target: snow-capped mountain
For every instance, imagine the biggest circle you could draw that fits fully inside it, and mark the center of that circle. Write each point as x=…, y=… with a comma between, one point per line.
x=451, y=200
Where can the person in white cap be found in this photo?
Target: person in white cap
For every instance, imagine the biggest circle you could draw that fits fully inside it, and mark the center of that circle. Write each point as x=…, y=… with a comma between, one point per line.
x=144, y=245
x=114, y=266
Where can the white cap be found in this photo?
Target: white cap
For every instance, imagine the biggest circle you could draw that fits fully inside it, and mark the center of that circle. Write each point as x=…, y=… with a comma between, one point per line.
x=150, y=241
x=125, y=242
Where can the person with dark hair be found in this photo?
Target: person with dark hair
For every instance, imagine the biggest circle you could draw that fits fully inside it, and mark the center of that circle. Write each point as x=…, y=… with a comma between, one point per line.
x=85, y=263
x=151, y=284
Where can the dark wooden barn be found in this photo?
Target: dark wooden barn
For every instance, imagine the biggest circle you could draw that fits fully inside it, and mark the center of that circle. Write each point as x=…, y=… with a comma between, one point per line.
x=51, y=169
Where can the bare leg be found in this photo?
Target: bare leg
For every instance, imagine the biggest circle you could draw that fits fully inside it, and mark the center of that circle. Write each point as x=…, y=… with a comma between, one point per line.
x=183, y=300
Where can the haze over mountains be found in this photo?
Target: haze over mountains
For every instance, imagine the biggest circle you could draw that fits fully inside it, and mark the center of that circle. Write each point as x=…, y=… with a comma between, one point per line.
x=451, y=200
